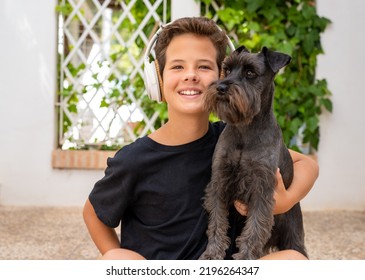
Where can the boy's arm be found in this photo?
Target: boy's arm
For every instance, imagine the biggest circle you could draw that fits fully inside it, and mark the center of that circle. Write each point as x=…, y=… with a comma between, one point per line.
x=104, y=237
x=305, y=174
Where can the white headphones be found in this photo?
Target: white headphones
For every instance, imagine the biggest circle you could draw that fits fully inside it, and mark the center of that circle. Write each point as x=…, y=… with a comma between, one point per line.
x=152, y=77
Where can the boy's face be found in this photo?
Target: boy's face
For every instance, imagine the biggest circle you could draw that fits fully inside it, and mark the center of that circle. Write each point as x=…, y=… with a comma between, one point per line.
x=190, y=68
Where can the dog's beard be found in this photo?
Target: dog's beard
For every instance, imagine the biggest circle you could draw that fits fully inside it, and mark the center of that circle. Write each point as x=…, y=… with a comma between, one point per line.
x=234, y=106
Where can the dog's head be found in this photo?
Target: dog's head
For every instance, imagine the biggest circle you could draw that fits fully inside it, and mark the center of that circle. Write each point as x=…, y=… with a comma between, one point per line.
x=246, y=86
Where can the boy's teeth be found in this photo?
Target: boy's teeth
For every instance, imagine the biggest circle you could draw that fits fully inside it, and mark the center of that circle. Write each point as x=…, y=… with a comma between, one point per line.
x=189, y=92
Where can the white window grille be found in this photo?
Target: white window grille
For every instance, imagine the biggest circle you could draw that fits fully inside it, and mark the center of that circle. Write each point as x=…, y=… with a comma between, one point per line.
x=102, y=99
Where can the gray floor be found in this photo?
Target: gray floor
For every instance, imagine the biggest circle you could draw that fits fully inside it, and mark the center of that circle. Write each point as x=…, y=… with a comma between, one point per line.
x=59, y=233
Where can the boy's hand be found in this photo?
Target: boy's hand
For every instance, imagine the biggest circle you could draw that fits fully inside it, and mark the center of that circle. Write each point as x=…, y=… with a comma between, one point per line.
x=280, y=197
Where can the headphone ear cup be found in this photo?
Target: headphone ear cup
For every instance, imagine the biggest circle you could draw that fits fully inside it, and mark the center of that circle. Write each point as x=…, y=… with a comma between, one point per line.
x=152, y=81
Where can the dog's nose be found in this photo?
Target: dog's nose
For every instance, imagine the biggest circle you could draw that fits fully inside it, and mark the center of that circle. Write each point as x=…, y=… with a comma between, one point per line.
x=222, y=89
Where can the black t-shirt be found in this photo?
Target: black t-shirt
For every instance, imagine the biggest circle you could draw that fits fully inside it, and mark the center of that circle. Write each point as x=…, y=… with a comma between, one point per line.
x=156, y=191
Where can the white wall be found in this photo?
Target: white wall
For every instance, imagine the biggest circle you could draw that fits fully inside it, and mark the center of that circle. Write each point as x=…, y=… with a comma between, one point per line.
x=185, y=8
x=341, y=151
x=27, y=120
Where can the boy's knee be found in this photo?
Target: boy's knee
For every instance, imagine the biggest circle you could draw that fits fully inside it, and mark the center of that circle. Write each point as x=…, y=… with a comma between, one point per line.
x=121, y=254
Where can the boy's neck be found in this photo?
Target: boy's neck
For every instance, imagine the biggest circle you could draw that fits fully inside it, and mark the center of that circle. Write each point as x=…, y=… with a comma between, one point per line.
x=179, y=131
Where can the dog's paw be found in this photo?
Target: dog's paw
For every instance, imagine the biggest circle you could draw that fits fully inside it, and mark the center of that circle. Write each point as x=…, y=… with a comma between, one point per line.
x=244, y=256
x=211, y=255
x=205, y=257
x=239, y=256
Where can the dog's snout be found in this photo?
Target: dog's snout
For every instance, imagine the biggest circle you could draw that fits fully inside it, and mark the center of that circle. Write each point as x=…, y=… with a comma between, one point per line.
x=222, y=89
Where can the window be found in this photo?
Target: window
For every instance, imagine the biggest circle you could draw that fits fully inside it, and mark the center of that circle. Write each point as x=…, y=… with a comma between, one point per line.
x=102, y=102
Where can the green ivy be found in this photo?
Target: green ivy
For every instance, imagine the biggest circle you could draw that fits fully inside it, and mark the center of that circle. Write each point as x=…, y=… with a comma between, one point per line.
x=292, y=27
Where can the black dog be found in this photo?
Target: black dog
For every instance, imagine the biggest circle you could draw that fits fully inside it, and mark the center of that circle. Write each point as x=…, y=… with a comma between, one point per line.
x=246, y=158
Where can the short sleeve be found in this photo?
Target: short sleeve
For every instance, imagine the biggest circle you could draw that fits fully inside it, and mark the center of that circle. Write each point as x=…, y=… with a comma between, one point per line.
x=113, y=193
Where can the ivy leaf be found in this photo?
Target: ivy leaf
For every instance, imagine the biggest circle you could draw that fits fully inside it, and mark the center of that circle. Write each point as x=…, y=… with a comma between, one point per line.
x=104, y=103
x=327, y=104
x=72, y=108
x=230, y=17
x=206, y=2
x=294, y=126
x=64, y=9
x=254, y=5
x=254, y=26
x=312, y=123
x=308, y=44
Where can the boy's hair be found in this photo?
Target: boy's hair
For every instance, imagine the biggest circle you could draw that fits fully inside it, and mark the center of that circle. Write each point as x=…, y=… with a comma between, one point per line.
x=200, y=26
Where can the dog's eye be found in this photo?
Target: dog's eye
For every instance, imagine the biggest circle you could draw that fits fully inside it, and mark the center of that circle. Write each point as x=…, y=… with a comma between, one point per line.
x=227, y=71
x=250, y=74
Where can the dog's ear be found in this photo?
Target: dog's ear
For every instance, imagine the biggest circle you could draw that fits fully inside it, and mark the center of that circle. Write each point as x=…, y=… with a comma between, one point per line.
x=276, y=60
x=241, y=49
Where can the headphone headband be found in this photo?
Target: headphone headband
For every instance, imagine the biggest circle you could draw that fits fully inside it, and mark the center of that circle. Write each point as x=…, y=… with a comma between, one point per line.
x=152, y=77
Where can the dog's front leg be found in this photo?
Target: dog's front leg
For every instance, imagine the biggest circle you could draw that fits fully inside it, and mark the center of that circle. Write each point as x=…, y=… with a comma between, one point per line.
x=216, y=206
x=260, y=219
x=255, y=234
